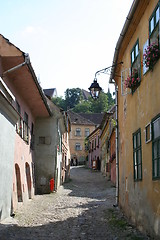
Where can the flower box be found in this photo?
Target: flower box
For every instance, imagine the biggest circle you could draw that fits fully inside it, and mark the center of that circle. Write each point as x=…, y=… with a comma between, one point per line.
x=151, y=55
x=132, y=81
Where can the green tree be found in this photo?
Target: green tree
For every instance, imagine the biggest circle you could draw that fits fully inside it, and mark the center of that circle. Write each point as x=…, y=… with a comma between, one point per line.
x=60, y=102
x=101, y=104
x=83, y=107
x=111, y=101
x=72, y=97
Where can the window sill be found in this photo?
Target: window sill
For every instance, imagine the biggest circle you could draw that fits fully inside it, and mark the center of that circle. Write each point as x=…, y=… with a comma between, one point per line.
x=138, y=180
x=155, y=178
x=133, y=90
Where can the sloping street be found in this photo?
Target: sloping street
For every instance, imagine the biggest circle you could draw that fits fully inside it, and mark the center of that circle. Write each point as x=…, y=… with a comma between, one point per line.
x=81, y=209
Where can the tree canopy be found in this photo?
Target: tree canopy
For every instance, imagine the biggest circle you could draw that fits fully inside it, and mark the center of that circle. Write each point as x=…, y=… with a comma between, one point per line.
x=74, y=100
x=72, y=97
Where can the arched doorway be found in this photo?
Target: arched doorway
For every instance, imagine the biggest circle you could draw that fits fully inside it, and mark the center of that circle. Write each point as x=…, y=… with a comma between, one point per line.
x=18, y=179
x=28, y=177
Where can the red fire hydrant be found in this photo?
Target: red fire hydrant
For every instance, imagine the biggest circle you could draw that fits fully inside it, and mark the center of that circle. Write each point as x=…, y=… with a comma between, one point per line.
x=51, y=183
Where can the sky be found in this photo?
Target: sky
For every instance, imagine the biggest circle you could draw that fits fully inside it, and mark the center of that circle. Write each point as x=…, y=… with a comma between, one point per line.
x=67, y=40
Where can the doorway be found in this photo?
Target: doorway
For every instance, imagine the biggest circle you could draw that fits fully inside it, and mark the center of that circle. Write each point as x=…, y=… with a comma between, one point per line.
x=28, y=177
x=18, y=179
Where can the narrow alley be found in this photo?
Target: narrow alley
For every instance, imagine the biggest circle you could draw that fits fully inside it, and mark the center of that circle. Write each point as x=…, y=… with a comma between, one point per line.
x=81, y=209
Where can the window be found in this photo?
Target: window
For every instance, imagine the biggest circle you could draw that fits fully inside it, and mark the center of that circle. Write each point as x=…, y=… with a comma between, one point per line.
x=32, y=137
x=135, y=53
x=154, y=26
x=25, y=128
x=148, y=133
x=92, y=145
x=19, y=126
x=87, y=132
x=136, y=64
x=41, y=140
x=78, y=132
x=18, y=107
x=156, y=147
x=95, y=143
x=98, y=142
x=78, y=147
x=145, y=68
x=46, y=140
x=137, y=155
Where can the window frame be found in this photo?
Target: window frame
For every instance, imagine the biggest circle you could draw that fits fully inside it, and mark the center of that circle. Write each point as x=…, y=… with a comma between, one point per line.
x=95, y=140
x=80, y=147
x=136, y=63
x=156, y=23
x=157, y=142
x=92, y=145
x=134, y=50
x=98, y=142
x=87, y=132
x=148, y=126
x=136, y=163
x=25, y=128
x=78, y=130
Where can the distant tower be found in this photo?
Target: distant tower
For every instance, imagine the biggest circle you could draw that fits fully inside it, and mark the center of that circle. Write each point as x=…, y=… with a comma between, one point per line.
x=109, y=89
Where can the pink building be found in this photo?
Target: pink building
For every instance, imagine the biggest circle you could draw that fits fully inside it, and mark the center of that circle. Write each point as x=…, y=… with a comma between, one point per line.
x=30, y=103
x=94, y=149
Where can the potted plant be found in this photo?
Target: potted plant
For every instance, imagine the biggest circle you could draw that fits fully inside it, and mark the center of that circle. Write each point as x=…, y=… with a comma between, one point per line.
x=132, y=81
x=151, y=55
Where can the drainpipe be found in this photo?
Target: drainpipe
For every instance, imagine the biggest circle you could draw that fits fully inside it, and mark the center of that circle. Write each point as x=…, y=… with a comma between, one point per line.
x=27, y=60
x=117, y=157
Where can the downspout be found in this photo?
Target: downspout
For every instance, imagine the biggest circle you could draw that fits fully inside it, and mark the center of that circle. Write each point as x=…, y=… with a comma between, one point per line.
x=56, y=156
x=117, y=156
x=27, y=60
x=111, y=80
x=117, y=150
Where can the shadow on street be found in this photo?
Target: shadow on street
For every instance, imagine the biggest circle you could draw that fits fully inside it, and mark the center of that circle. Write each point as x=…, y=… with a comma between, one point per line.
x=81, y=209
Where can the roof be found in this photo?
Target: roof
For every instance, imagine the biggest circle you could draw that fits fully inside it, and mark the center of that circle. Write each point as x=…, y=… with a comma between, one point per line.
x=16, y=65
x=104, y=120
x=50, y=92
x=85, y=94
x=112, y=109
x=78, y=119
x=96, y=118
x=131, y=21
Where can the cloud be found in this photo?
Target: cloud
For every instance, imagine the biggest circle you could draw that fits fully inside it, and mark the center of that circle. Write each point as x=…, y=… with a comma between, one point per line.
x=28, y=30
x=31, y=30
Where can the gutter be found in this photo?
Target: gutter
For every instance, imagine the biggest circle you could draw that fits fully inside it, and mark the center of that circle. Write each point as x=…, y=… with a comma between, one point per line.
x=39, y=88
x=121, y=37
x=28, y=63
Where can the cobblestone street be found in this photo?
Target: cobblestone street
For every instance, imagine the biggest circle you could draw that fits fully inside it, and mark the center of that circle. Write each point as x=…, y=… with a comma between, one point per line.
x=81, y=209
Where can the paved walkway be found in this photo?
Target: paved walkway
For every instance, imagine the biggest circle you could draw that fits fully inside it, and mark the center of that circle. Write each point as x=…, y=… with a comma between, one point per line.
x=82, y=209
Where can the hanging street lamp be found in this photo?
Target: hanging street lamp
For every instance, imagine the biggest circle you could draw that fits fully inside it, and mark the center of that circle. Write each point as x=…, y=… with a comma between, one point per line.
x=95, y=89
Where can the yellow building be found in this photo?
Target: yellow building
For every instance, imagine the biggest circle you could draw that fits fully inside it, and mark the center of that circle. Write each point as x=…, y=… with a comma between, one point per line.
x=107, y=137
x=80, y=129
x=139, y=115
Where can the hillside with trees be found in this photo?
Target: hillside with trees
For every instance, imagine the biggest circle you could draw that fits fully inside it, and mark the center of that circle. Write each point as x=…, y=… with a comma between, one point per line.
x=74, y=100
